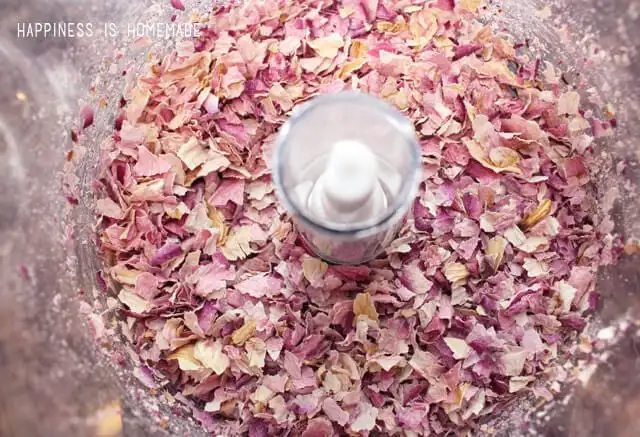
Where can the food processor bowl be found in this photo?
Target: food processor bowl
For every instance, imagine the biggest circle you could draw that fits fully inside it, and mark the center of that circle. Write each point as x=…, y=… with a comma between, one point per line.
x=56, y=380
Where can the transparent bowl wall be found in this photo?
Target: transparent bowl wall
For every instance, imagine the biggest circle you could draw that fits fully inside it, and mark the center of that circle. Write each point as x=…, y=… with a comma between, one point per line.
x=52, y=375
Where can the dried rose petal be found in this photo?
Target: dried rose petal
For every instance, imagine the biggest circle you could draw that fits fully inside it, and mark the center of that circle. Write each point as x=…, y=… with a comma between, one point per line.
x=569, y=103
x=108, y=208
x=327, y=46
x=86, y=117
x=211, y=104
x=319, y=427
x=313, y=268
x=362, y=305
x=210, y=354
x=177, y=4
x=166, y=253
x=459, y=347
x=243, y=333
x=186, y=358
x=495, y=251
x=466, y=50
x=366, y=419
x=334, y=412
x=456, y=272
x=538, y=214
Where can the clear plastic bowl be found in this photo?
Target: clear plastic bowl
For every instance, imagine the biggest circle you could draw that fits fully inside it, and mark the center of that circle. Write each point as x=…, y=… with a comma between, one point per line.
x=302, y=149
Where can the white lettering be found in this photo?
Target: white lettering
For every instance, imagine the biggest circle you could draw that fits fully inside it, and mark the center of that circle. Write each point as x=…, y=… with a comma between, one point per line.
x=138, y=30
x=131, y=30
x=196, y=29
x=111, y=30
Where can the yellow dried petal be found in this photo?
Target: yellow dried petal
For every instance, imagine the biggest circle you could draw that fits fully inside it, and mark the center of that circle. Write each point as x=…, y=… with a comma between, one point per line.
x=109, y=420
x=296, y=90
x=358, y=49
x=609, y=112
x=345, y=11
x=281, y=230
x=400, y=100
x=176, y=212
x=400, y=25
x=460, y=392
x=455, y=87
x=136, y=106
x=134, y=302
x=218, y=223
x=245, y=332
x=186, y=358
x=456, y=272
x=484, y=35
x=441, y=42
x=349, y=67
x=210, y=354
x=384, y=26
x=313, y=268
x=459, y=347
x=214, y=162
x=327, y=46
x=192, y=153
x=237, y=245
x=500, y=71
x=504, y=157
x=279, y=95
x=477, y=152
x=389, y=88
x=124, y=276
x=412, y=8
x=469, y=5
x=495, y=251
x=262, y=394
x=362, y=305
x=537, y=215
x=423, y=26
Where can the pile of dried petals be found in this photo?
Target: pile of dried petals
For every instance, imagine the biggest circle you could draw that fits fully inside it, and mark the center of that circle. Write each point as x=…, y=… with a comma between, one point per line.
x=470, y=307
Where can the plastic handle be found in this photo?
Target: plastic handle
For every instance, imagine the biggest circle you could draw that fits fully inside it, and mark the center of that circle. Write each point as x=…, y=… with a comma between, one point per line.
x=350, y=177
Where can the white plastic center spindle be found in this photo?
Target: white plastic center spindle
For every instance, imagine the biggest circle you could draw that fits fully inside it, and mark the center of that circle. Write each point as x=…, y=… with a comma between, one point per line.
x=350, y=176
x=348, y=190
